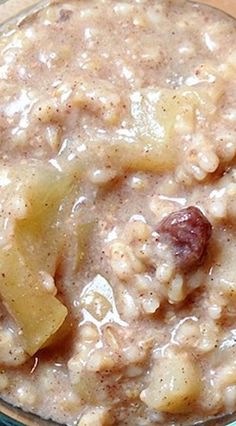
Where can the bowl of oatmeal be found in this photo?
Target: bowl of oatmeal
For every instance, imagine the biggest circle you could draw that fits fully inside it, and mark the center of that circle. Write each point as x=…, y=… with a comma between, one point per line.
x=118, y=208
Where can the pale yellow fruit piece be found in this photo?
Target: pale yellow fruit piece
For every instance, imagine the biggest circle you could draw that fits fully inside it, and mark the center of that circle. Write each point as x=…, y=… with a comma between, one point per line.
x=64, y=332
x=175, y=385
x=96, y=416
x=87, y=387
x=149, y=137
x=147, y=144
x=83, y=234
x=96, y=304
x=34, y=247
x=37, y=236
x=209, y=85
x=38, y=314
x=77, y=244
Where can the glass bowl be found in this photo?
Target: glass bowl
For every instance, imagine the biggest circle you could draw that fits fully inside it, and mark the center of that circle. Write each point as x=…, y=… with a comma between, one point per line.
x=9, y=415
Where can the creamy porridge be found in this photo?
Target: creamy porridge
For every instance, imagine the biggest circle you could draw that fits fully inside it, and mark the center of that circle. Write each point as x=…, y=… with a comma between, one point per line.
x=118, y=209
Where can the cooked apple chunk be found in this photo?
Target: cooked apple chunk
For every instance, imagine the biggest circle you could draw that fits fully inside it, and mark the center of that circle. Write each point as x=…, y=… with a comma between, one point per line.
x=38, y=314
x=148, y=142
x=175, y=384
x=34, y=246
x=145, y=144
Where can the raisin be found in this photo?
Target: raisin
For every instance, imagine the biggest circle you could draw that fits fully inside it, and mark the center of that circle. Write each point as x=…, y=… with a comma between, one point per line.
x=188, y=232
x=65, y=14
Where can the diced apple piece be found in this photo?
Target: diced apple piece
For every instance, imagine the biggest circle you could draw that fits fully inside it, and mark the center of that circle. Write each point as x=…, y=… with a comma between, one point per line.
x=77, y=245
x=141, y=155
x=149, y=142
x=153, y=121
x=35, y=246
x=38, y=314
x=97, y=298
x=175, y=385
x=98, y=416
x=83, y=234
x=210, y=85
x=148, y=139
x=96, y=304
x=37, y=236
x=64, y=332
x=87, y=387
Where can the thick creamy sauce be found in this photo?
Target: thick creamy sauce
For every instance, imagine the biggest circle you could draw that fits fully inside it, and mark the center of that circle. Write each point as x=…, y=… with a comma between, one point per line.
x=118, y=202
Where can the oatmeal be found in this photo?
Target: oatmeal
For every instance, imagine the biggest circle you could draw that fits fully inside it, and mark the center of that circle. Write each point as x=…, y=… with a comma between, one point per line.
x=118, y=203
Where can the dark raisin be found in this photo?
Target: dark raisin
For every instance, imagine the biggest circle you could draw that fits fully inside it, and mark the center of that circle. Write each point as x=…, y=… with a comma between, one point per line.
x=188, y=232
x=65, y=14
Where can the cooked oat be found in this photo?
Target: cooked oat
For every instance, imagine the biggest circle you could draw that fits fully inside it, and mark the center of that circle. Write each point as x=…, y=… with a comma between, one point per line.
x=118, y=208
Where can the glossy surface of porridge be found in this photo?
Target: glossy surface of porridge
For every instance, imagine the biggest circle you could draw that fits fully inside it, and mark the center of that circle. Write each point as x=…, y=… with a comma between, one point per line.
x=118, y=209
